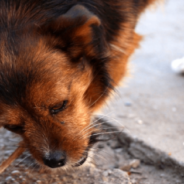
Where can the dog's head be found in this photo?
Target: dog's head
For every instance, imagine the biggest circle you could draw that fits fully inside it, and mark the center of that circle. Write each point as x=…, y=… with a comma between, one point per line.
x=50, y=84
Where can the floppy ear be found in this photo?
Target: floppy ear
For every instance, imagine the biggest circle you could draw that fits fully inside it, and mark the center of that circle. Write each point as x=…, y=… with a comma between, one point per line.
x=79, y=33
x=76, y=31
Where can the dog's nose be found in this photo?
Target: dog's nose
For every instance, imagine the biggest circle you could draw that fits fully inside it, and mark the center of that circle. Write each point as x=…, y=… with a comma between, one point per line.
x=55, y=159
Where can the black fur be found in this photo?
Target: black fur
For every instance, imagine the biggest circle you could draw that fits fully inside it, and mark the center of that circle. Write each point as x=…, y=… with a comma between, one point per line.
x=18, y=15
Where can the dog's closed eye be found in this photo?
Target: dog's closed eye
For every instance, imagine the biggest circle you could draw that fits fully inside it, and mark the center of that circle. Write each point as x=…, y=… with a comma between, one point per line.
x=15, y=128
x=59, y=108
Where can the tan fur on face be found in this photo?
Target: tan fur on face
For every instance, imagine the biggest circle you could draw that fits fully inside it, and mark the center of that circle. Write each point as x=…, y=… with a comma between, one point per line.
x=60, y=81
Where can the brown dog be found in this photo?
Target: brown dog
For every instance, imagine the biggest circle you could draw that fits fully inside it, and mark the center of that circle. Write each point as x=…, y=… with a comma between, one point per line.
x=59, y=61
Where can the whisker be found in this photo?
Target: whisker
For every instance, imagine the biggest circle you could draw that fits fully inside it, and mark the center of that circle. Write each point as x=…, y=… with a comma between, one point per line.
x=100, y=156
x=94, y=125
x=99, y=97
x=107, y=133
x=113, y=119
x=27, y=156
x=86, y=129
x=102, y=133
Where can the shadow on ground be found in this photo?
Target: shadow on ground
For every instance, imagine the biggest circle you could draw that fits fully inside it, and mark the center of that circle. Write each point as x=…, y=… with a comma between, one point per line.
x=151, y=103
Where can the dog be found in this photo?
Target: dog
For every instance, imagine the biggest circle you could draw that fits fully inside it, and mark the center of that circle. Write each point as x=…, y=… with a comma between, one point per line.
x=59, y=62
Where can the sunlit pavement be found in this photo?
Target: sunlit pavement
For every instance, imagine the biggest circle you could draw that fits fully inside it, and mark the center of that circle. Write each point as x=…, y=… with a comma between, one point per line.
x=150, y=104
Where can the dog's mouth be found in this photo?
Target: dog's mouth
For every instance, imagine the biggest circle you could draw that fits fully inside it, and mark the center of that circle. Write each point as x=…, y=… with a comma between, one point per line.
x=82, y=160
x=93, y=139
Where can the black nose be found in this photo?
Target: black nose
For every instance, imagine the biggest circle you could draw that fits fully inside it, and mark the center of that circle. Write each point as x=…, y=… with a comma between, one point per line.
x=55, y=159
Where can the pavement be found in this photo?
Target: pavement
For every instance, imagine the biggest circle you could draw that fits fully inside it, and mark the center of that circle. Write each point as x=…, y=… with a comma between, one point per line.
x=150, y=103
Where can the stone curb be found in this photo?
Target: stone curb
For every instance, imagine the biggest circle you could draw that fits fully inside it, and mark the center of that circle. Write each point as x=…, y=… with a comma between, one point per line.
x=148, y=154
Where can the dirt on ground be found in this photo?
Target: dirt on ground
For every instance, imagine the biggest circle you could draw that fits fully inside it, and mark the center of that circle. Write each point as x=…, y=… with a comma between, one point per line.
x=114, y=161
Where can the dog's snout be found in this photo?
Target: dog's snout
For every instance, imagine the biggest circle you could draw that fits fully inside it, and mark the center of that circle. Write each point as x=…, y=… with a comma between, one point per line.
x=55, y=159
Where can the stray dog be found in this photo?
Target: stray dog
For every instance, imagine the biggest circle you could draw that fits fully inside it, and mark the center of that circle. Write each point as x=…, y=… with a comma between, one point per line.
x=59, y=62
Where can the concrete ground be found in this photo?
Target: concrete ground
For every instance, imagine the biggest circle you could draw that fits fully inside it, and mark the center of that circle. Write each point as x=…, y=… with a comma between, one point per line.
x=150, y=105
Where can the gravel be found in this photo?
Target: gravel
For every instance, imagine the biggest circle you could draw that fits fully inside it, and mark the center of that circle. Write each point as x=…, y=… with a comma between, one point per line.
x=120, y=160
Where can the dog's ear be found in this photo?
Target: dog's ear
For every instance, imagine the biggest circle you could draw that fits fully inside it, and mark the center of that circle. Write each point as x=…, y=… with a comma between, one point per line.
x=76, y=31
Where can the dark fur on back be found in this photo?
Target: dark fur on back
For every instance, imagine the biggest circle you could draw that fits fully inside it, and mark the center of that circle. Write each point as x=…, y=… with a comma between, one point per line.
x=19, y=16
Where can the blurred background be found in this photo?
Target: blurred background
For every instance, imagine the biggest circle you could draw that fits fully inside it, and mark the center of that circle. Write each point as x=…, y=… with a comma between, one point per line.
x=150, y=103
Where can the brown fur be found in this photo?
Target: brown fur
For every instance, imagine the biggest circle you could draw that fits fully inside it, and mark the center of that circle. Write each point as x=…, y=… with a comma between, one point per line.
x=65, y=50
